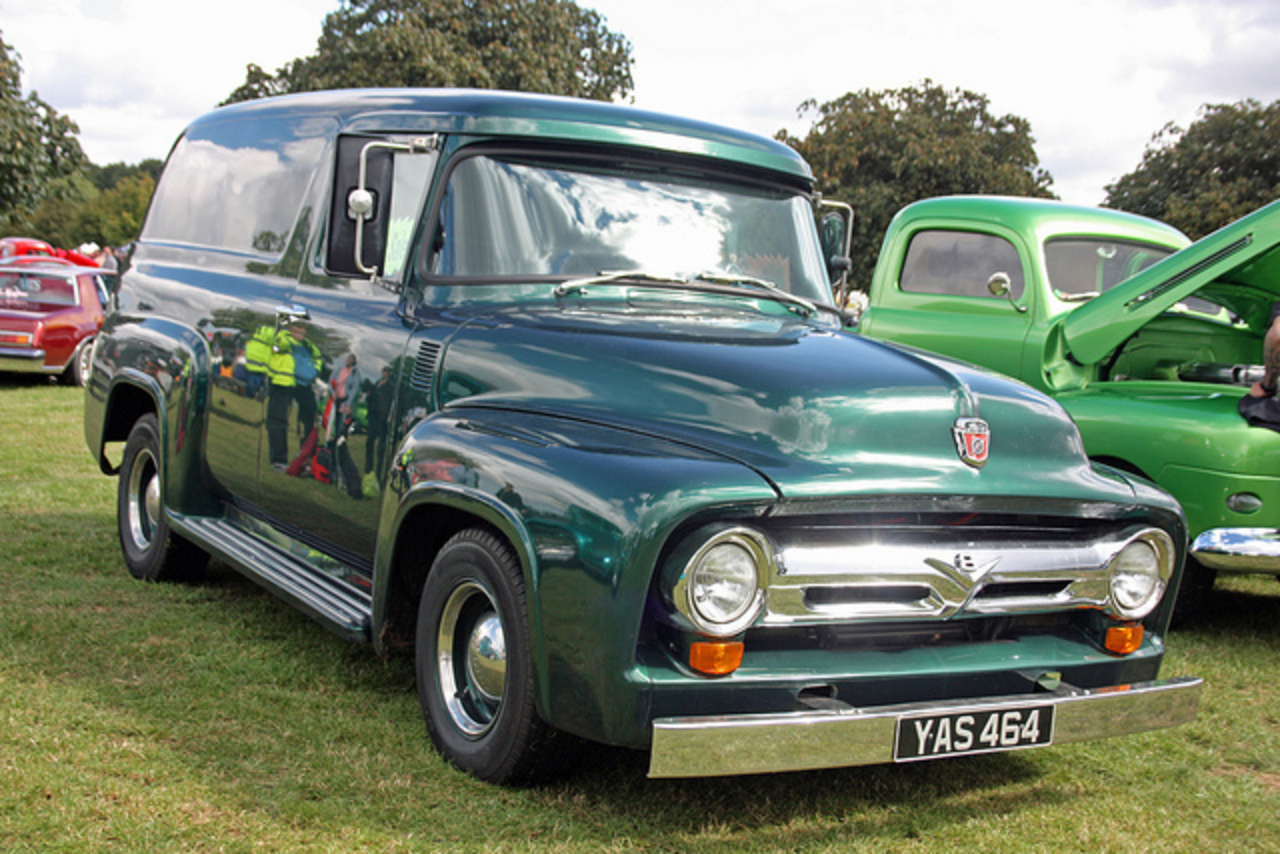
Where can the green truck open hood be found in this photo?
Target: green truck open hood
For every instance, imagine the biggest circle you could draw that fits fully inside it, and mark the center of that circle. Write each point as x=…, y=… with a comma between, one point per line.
x=1237, y=266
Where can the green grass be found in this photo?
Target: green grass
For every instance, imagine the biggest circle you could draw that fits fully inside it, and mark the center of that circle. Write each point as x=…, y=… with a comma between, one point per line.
x=158, y=717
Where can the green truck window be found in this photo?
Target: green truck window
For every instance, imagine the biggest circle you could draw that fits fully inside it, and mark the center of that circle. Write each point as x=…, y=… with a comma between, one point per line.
x=958, y=263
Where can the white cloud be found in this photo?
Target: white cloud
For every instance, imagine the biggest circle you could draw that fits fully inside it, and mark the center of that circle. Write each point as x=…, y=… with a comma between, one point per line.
x=1096, y=78
x=133, y=73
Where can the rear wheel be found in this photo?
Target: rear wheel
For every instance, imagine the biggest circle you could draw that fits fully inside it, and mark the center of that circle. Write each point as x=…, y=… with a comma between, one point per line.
x=77, y=370
x=152, y=552
x=474, y=666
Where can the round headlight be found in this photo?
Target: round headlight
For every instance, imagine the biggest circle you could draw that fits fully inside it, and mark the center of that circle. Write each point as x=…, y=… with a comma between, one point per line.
x=1139, y=573
x=720, y=587
x=724, y=582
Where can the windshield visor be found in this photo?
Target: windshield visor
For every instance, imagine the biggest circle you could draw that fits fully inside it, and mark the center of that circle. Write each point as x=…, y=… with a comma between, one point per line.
x=508, y=218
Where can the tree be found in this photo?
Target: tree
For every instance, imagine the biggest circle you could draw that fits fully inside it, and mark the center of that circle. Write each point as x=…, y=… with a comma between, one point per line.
x=38, y=147
x=548, y=46
x=1224, y=165
x=882, y=150
x=99, y=204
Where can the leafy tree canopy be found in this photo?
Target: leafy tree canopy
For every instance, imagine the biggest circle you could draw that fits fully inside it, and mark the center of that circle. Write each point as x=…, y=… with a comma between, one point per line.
x=881, y=150
x=38, y=147
x=548, y=46
x=1221, y=167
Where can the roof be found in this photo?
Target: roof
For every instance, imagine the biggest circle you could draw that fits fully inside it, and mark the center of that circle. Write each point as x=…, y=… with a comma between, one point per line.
x=1045, y=218
x=485, y=112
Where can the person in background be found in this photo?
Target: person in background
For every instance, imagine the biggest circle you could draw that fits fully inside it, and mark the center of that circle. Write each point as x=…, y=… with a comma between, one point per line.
x=1266, y=387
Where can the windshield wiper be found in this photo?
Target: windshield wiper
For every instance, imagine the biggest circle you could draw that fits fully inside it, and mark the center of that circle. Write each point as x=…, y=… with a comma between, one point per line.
x=606, y=276
x=717, y=277
x=708, y=282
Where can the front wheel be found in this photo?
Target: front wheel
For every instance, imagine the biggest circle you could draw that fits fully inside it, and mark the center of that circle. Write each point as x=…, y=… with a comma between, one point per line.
x=1193, y=594
x=152, y=552
x=474, y=667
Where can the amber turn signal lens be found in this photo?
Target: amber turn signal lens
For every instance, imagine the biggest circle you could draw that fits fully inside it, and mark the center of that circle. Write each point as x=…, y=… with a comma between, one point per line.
x=1124, y=639
x=716, y=658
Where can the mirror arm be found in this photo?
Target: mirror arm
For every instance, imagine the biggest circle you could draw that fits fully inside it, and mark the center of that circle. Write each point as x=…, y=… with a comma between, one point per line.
x=360, y=201
x=844, y=261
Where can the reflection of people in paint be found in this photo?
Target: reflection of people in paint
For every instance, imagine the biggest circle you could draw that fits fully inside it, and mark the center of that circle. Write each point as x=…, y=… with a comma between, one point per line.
x=376, y=405
x=345, y=385
x=291, y=369
x=257, y=353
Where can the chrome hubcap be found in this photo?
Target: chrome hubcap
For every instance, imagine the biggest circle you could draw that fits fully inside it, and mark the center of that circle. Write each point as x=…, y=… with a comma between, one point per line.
x=471, y=658
x=143, y=499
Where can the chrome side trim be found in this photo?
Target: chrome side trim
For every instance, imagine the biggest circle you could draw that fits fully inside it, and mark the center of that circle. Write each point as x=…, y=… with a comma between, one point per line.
x=797, y=741
x=1239, y=549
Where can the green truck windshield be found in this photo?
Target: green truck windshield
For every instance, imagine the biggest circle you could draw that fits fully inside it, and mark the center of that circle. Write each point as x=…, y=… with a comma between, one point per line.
x=513, y=218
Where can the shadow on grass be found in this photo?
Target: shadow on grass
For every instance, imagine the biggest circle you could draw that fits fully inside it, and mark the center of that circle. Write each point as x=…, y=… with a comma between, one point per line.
x=1245, y=609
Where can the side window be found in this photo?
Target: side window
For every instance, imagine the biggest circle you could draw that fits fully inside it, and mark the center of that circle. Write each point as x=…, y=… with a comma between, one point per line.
x=237, y=184
x=959, y=263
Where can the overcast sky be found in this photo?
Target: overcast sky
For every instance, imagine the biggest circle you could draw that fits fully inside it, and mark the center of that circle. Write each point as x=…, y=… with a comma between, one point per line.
x=1096, y=78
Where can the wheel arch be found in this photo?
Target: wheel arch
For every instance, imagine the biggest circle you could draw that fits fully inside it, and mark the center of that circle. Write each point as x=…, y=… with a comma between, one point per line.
x=427, y=518
x=1121, y=464
x=130, y=396
x=163, y=367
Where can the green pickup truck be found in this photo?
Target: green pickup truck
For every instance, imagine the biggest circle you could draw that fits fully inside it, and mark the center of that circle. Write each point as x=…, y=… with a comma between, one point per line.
x=1147, y=340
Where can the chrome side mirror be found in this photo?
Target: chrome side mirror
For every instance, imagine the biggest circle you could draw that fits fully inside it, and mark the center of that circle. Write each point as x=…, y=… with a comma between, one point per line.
x=999, y=285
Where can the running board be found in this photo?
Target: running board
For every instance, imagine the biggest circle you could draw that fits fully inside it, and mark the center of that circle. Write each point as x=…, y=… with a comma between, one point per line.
x=343, y=608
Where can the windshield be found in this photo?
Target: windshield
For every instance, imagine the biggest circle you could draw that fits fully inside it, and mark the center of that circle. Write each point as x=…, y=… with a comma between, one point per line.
x=1083, y=267
x=513, y=218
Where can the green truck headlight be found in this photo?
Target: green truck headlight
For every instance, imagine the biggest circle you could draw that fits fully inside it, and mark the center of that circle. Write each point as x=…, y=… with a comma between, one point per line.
x=720, y=588
x=1140, y=572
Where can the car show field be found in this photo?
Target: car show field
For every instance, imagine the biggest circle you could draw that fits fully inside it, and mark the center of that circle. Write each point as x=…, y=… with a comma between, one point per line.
x=208, y=716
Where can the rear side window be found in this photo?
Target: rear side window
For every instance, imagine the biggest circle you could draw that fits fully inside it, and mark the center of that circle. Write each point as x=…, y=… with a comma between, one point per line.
x=35, y=291
x=959, y=263
x=237, y=184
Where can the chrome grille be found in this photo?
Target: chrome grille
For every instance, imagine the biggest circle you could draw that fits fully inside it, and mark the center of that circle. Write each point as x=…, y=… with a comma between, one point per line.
x=926, y=572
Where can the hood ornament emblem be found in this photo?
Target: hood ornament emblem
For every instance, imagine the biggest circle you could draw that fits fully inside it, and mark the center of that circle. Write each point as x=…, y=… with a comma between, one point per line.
x=973, y=440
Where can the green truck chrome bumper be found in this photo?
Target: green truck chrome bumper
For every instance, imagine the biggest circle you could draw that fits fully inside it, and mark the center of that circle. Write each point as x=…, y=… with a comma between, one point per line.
x=836, y=738
x=1239, y=550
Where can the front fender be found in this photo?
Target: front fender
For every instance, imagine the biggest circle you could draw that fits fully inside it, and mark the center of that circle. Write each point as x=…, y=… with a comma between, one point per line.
x=588, y=509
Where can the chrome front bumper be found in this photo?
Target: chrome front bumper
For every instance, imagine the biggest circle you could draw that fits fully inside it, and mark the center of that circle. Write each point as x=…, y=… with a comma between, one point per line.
x=796, y=741
x=1239, y=550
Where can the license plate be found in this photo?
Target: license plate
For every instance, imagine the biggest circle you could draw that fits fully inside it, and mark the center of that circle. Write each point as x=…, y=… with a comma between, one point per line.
x=976, y=731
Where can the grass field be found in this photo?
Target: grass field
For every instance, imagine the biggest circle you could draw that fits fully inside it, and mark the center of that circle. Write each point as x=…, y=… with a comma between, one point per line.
x=144, y=717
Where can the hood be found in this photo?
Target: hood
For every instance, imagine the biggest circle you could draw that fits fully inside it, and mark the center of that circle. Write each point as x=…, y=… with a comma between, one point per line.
x=1237, y=266
x=815, y=410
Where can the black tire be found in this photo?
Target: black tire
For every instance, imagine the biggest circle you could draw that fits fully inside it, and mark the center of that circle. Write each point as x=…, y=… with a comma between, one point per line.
x=151, y=551
x=474, y=666
x=76, y=372
x=1194, y=593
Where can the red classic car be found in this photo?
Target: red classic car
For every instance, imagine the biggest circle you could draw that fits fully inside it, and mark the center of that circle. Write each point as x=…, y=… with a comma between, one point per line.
x=50, y=313
x=12, y=248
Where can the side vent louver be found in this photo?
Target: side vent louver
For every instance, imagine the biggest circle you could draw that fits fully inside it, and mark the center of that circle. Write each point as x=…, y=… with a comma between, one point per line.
x=424, y=367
